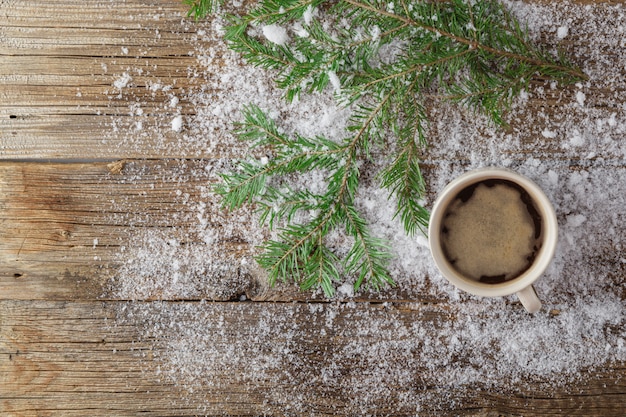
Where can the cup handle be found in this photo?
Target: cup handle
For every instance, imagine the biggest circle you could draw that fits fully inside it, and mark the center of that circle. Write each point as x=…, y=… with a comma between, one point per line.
x=529, y=299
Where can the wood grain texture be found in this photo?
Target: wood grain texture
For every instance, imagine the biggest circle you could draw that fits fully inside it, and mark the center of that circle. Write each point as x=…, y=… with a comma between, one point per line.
x=80, y=358
x=83, y=188
x=66, y=224
x=69, y=227
x=60, y=64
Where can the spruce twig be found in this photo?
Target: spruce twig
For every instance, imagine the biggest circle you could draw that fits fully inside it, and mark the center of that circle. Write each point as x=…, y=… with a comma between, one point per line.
x=201, y=8
x=386, y=58
x=300, y=251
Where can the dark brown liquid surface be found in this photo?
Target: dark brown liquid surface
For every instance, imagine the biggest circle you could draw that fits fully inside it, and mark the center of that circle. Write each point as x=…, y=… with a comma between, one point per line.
x=491, y=231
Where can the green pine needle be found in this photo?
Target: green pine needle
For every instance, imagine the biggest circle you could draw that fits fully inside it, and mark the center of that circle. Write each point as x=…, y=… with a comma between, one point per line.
x=388, y=57
x=301, y=251
x=199, y=9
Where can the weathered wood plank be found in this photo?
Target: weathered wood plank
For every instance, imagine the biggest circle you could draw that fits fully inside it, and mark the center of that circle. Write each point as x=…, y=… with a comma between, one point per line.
x=64, y=224
x=63, y=70
x=93, y=81
x=59, y=66
x=101, y=359
x=83, y=367
x=70, y=229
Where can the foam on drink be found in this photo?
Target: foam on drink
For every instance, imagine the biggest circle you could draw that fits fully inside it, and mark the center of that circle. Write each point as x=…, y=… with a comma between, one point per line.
x=491, y=231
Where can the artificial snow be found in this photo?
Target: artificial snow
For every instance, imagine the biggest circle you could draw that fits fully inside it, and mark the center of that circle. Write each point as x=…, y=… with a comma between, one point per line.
x=576, y=155
x=276, y=34
x=122, y=81
x=177, y=123
x=308, y=15
x=334, y=80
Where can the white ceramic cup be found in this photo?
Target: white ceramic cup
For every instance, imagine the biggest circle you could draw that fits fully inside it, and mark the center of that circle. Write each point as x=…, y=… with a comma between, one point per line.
x=520, y=285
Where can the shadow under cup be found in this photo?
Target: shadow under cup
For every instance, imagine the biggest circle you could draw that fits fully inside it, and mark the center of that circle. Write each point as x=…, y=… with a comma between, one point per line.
x=493, y=232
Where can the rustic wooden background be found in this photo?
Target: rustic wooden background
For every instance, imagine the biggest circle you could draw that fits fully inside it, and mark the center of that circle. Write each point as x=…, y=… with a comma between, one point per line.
x=61, y=232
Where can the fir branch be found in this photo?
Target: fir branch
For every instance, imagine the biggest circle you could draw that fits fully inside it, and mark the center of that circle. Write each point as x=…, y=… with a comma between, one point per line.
x=300, y=154
x=368, y=256
x=301, y=251
x=386, y=59
x=282, y=205
x=199, y=9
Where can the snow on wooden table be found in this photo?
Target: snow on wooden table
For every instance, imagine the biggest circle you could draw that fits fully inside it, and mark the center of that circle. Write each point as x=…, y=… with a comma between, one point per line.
x=125, y=289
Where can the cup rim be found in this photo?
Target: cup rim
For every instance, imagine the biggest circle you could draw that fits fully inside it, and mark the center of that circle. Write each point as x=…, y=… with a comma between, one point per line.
x=543, y=258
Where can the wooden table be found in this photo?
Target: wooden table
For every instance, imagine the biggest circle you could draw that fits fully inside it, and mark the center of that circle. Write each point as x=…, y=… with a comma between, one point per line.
x=78, y=189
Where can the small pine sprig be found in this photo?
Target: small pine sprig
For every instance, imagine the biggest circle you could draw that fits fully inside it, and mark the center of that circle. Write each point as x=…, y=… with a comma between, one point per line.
x=199, y=9
x=385, y=58
x=301, y=252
